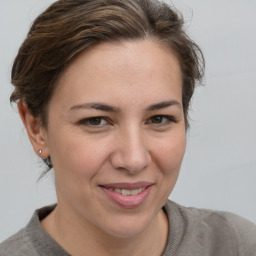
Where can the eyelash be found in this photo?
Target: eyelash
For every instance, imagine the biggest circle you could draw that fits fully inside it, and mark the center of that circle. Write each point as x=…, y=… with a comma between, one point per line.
x=169, y=119
x=88, y=121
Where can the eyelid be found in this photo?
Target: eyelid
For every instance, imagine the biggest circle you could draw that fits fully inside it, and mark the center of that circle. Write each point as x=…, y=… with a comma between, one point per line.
x=170, y=118
x=85, y=121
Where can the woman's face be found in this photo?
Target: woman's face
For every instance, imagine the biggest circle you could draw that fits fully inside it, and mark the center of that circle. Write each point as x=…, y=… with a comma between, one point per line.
x=116, y=135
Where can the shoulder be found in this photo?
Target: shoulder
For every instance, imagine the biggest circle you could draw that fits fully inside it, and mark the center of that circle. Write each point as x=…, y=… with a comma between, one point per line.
x=33, y=239
x=216, y=228
x=17, y=245
x=244, y=230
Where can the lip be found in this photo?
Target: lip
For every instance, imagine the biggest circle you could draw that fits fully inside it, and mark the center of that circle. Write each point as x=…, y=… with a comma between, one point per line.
x=130, y=201
x=125, y=185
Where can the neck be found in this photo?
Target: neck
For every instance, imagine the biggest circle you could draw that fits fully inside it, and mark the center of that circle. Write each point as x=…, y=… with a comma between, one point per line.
x=83, y=238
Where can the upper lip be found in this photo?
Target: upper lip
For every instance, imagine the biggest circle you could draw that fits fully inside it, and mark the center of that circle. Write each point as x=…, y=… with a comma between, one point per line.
x=129, y=186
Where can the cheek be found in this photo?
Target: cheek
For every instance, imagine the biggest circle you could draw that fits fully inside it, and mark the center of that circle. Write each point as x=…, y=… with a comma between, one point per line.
x=170, y=153
x=76, y=156
x=77, y=164
x=168, y=158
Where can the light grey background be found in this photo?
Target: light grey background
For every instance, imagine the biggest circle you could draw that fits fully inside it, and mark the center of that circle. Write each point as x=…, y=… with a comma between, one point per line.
x=219, y=169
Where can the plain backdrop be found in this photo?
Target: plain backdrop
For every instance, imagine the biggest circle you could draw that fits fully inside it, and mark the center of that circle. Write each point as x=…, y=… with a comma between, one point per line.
x=219, y=169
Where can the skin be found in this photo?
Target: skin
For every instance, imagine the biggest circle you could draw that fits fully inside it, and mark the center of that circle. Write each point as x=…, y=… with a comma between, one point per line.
x=133, y=143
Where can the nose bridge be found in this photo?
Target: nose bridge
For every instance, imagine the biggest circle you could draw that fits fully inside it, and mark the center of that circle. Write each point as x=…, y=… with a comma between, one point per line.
x=132, y=153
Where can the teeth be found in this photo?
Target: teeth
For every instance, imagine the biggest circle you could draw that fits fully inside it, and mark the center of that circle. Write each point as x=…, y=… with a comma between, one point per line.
x=118, y=190
x=127, y=192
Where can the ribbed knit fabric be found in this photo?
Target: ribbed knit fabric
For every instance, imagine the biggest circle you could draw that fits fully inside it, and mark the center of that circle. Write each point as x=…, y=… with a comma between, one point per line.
x=32, y=240
x=201, y=232
x=192, y=232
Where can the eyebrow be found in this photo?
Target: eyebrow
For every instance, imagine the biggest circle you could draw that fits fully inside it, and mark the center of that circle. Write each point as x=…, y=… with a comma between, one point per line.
x=108, y=108
x=98, y=106
x=164, y=104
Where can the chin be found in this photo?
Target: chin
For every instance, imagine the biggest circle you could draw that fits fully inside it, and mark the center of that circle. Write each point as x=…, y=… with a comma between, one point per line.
x=127, y=231
x=129, y=226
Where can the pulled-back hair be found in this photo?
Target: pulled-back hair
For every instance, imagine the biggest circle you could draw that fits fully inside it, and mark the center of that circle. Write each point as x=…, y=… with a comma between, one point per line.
x=68, y=27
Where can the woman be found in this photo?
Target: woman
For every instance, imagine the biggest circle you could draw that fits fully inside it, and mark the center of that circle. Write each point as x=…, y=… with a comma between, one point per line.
x=103, y=89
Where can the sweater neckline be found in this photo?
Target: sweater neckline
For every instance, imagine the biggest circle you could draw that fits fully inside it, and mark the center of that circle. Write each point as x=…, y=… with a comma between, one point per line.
x=44, y=243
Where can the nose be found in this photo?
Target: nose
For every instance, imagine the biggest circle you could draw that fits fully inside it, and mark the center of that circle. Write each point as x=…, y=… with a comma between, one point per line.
x=130, y=153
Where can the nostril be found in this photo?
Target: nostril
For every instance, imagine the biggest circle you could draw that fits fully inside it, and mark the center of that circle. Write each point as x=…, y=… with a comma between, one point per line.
x=131, y=153
x=131, y=163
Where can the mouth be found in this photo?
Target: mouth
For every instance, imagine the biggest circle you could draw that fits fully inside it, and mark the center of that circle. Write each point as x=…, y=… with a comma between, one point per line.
x=127, y=192
x=127, y=195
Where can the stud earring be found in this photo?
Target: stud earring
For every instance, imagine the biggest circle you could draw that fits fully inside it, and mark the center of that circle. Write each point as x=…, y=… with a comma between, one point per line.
x=40, y=151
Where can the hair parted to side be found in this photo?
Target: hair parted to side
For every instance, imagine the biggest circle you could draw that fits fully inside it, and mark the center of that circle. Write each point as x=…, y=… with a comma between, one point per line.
x=69, y=27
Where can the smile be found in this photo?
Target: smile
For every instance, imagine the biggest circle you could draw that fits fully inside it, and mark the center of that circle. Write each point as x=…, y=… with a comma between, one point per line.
x=127, y=195
x=127, y=192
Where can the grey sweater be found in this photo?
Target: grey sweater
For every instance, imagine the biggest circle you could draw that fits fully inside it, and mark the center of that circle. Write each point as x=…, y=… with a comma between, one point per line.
x=192, y=232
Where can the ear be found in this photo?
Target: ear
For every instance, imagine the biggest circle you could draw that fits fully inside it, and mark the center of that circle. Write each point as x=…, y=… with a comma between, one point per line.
x=36, y=133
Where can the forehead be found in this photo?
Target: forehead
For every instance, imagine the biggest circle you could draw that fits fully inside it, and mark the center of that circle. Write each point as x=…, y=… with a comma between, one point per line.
x=127, y=67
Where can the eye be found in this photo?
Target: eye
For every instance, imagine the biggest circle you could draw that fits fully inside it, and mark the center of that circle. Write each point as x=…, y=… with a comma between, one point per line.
x=157, y=119
x=161, y=120
x=96, y=122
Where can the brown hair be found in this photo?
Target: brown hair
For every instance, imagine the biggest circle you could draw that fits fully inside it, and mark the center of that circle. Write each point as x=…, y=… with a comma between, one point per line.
x=68, y=27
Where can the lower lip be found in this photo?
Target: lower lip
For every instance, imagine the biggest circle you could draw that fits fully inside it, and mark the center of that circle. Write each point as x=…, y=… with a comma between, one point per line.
x=130, y=201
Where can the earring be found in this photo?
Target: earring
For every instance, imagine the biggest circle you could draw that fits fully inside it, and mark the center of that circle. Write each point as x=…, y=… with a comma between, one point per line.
x=40, y=151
